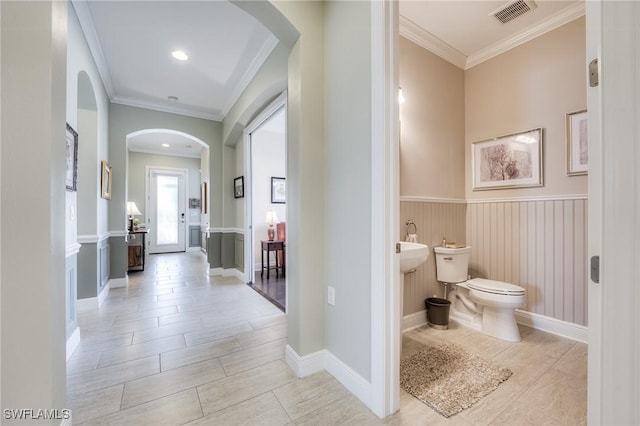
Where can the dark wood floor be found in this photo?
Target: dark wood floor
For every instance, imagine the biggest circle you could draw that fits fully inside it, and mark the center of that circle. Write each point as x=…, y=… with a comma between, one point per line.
x=273, y=289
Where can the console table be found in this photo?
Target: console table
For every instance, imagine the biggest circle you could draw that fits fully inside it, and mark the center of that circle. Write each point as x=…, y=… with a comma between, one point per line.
x=276, y=246
x=137, y=251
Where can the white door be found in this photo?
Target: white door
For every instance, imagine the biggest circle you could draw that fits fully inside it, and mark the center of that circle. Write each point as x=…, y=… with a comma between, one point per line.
x=167, y=210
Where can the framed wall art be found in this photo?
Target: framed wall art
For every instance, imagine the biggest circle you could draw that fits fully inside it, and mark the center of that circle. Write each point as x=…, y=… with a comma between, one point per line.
x=203, y=197
x=106, y=180
x=72, y=159
x=577, y=143
x=511, y=161
x=238, y=187
x=278, y=190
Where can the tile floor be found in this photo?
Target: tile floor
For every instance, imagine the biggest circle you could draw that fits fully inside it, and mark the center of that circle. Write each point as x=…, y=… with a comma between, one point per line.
x=178, y=347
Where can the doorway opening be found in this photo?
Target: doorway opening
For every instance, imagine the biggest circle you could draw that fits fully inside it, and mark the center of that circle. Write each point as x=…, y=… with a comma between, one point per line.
x=265, y=163
x=167, y=206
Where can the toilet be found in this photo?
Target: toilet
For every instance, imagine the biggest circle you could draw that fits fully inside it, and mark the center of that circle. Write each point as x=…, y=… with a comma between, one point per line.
x=486, y=305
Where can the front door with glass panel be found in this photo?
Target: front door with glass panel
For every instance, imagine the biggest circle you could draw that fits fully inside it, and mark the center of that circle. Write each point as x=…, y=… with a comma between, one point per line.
x=167, y=207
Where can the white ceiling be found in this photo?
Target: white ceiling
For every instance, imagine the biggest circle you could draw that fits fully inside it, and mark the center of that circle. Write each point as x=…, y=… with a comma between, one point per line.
x=464, y=32
x=132, y=41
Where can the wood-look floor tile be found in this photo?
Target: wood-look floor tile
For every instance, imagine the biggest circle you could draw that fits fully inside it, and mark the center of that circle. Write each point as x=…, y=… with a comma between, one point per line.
x=223, y=331
x=252, y=357
x=166, y=331
x=309, y=394
x=151, y=313
x=262, y=335
x=261, y=410
x=108, y=376
x=229, y=391
x=89, y=405
x=176, y=409
x=345, y=411
x=197, y=353
x=268, y=320
x=169, y=382
x=141, y=350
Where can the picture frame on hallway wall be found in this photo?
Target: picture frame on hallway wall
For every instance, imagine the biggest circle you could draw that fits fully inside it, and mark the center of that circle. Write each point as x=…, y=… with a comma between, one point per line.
x=72, y=159
x=238, y=187
x=203, y=197
x=577, y=143
x=278, y=190
x=105, y=183
x=510, y=161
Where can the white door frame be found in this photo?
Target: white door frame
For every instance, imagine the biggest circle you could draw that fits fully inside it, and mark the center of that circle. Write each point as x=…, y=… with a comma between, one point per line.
x=613, y=36
x=147, y=197
x=264, y=115
x=386, y=321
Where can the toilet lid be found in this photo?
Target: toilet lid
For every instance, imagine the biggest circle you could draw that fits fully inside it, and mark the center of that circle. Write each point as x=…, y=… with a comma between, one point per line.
x=496, y=287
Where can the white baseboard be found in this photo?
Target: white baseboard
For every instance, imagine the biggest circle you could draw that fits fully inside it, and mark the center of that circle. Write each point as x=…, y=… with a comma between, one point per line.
x=306, y=365
x=118, y=282
x=72, y=342
x=415, y=320
x=561, y=328
x=553, y=326
x=325, y=360
x=354, y=382
x=215, y=271
x=233, y=272
x=104, y=293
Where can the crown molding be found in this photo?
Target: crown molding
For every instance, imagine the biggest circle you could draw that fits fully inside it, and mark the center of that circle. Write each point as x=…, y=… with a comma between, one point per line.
x=557, y=20
x=123, y=100
x=261, y=57
x=91, y=36
x=428, y=41
x=423, y=38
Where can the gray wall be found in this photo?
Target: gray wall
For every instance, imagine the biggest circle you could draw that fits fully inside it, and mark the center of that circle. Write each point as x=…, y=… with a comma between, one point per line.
x=125, y=120
x=347, y=255
x=32, y=276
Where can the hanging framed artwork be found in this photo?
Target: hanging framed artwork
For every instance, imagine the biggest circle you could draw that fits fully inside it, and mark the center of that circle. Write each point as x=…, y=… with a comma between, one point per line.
x=72, y=159
x=106, y=181
x=577, y=143
x=511, y=161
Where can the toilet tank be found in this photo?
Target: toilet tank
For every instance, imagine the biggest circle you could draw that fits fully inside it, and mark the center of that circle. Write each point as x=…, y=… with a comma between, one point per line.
x=452, y=264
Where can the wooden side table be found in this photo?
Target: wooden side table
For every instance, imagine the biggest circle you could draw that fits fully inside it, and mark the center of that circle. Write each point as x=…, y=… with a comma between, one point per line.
x=137, y=251
x=275, y=246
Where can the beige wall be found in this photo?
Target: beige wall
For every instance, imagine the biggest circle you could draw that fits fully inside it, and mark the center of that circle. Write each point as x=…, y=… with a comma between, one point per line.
x=531, y=86
x=432, y=125
x=539, y=245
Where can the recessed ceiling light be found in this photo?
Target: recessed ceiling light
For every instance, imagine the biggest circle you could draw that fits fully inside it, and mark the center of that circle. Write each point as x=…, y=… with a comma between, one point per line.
x=165, y=145
x=180, y=55
x=173, y=98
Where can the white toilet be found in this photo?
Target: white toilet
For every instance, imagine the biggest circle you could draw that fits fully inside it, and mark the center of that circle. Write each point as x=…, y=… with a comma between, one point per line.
x=486, y=305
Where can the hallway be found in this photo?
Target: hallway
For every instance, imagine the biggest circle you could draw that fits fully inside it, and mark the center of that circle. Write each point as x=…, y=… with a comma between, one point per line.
x=179, y=347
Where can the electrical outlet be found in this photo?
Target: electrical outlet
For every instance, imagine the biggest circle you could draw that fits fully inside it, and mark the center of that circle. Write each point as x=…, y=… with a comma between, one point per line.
x=331, y=296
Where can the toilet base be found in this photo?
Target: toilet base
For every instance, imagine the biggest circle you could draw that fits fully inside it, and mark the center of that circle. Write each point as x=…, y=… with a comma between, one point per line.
x=500, y=323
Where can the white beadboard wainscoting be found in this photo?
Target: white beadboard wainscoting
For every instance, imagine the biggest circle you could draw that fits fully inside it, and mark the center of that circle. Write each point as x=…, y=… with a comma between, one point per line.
x=540, y=245
x=435, y=220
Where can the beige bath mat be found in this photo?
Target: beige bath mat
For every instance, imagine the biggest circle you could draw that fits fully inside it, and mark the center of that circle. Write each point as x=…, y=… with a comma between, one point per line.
x=448, y=379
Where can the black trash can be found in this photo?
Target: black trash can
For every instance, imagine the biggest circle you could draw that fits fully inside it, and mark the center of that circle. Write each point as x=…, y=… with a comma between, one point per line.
x=437, y=312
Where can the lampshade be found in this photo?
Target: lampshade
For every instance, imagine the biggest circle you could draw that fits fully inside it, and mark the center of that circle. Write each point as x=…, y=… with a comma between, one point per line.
x=272, y=217
x=132, y=209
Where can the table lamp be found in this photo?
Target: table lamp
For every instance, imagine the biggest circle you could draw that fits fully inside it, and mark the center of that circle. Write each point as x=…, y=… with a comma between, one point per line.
x=272, y=219
x=132, y=210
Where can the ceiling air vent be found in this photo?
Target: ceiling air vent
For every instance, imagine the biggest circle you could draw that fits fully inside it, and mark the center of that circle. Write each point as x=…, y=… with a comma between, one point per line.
x=512, y=10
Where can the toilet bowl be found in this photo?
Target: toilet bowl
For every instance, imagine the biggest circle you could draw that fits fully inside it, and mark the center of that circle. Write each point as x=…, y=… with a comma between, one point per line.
x=486, y=305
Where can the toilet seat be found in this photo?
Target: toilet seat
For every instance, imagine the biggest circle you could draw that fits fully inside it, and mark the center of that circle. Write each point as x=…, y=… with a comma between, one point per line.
x=495, y=287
